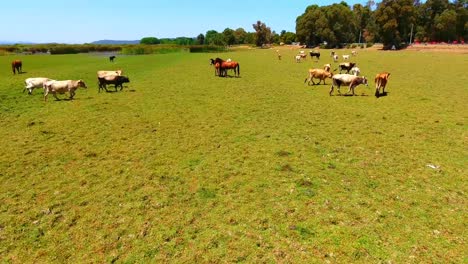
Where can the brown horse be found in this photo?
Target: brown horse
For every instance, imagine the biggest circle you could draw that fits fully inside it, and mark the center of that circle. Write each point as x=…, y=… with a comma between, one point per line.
x=216, y=65
x=227, y=65
x=16, y=66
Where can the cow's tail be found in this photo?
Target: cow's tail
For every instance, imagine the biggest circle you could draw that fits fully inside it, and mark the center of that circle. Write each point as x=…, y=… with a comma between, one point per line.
x=238, y=69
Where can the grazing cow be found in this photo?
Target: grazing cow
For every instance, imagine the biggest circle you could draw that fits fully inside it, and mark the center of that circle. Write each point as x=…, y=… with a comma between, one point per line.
x=335, y=58
x=279, y=54
x=62, y=87
x=332, y=53
x=111, y=58
x=318, y=74
x=346, y=66
x=315, y=54
x=354, y=53
x=116, y=80
x=16, y=66
x=355, y=71
x=380, y=82
x=101, y=74
x=347, y=79
x=327, y=67
x=31, y=83
x=298, y=58
x=345, y=57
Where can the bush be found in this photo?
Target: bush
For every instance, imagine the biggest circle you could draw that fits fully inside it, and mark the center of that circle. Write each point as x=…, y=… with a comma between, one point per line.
x=206, y=48
x=151, y=49
x=369, y=44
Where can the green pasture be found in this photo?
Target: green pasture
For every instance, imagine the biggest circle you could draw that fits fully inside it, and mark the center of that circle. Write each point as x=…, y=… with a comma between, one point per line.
x=185, y=167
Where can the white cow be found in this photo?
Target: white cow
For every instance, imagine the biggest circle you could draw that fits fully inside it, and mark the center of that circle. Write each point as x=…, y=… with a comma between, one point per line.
x=101, y=74
x=347, y=79
x=345, y=57
x=62, y=87
x=355, y=71
x=335, y=58
x=32, y=83
x=298, y=58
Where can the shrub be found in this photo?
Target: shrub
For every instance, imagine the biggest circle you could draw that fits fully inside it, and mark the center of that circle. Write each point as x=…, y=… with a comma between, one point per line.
x=206, y=48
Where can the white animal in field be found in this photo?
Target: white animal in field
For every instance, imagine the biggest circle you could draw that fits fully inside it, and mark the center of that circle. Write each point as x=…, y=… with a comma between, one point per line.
x=335, y=58
x=327, y=67
x=347, y=79
x=298, y=58
x=355, y=71
x=32, y=83
x=345, y=57
x=61, y=87
x=354, y=53
x=102, y=74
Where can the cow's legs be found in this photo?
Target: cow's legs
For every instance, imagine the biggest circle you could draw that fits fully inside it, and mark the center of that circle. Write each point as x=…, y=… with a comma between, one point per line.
x=55, y=95
x=331, y=90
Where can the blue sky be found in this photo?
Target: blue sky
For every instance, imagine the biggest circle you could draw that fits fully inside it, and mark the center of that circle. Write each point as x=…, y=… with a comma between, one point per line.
x=67, y=21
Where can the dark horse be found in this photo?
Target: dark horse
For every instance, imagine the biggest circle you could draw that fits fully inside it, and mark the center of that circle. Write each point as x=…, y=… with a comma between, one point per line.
x=216, y=65
x=226, y=65
x=16, y=66
x=111, y=58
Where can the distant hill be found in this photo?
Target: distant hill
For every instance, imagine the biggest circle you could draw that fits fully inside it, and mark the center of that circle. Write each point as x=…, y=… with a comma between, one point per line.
x=116, y=42
x=6, y=42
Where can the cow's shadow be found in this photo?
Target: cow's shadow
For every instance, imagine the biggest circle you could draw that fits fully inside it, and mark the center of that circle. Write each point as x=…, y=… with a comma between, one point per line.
x=382, y=94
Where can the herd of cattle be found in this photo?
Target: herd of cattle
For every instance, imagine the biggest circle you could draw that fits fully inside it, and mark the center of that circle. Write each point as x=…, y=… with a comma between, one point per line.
x=351, y=80
x=51, y=86
x=55, y=87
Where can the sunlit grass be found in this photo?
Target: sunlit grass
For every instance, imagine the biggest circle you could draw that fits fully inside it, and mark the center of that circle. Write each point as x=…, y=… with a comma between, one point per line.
x=188, y=167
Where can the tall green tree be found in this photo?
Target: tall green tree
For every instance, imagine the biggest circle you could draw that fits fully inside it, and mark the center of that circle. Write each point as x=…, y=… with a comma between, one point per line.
x=240, y=35
x=263, y=33
x=212, y=37
x=446, y=25
x=287, y=37
x=228, y=35
x=150, y=41
x=201, y=39
x=334, y=24
x=395, y=18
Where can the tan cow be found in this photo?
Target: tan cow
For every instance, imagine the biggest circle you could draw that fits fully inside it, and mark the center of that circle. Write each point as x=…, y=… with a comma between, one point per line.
x=380, y=82
x=318, y=74
x=62, y=87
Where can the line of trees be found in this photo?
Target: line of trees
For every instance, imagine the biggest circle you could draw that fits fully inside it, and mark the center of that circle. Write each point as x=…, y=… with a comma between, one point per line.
x=390, y=23
x=262, y=35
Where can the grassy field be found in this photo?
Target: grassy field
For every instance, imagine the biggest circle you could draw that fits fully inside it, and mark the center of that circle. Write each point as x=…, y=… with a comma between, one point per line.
x=186, y=167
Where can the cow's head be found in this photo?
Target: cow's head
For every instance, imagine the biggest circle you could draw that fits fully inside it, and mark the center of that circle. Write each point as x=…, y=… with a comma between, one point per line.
x=364, y=81
x=81, y=83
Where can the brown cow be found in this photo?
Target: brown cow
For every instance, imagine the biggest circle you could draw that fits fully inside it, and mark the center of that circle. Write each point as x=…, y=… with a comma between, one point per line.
x=380, y=82
x=16, y=65
x=318, y=74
